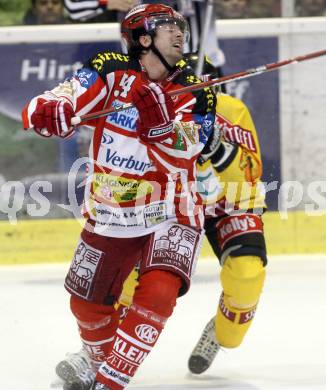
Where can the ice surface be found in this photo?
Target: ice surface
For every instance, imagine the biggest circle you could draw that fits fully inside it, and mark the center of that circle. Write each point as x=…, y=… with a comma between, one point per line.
x=284, y=349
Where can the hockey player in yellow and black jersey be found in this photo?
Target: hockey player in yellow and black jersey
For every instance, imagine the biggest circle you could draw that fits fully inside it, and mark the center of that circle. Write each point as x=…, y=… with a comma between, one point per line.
x=229, y=173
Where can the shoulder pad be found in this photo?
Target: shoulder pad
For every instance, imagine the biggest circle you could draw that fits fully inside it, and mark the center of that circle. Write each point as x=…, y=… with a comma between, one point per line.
x=187, y=76
x=182, y=63
x=108, y=61
x=204, y=96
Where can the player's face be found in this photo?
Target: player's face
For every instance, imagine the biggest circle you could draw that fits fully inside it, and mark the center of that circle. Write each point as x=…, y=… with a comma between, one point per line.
x=49, y=11
x=234, y=9
x=169, y=40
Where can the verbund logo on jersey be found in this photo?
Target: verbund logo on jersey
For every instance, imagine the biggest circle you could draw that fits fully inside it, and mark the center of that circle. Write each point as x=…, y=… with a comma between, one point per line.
x=129, y=163
x=114, y=154
x=107, y=139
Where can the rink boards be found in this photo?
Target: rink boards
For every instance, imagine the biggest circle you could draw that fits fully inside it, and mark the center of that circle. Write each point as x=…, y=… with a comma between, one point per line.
x=288, y=108
x=52, y=241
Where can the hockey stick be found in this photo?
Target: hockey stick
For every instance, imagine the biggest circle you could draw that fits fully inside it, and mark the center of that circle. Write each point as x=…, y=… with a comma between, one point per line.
x=195, y=87
x=201, y=54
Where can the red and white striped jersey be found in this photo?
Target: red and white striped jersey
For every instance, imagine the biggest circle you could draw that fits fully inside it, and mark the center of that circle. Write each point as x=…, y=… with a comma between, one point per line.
x=133, y=188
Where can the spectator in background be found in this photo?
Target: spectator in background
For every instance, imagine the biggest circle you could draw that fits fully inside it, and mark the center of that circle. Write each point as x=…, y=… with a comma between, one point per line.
x=310, y=7
x=265, y=9
x=240, y=9
x=98, y=11
x=233, y=9
x=45, y=12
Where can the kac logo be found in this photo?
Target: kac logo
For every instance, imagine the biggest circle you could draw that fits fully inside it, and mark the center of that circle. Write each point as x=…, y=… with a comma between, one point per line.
x=147, y=333
x=86, y=77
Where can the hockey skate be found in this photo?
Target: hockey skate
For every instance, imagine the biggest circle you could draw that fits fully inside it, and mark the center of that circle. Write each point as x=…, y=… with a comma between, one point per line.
x=76, y=371
x=205, y=350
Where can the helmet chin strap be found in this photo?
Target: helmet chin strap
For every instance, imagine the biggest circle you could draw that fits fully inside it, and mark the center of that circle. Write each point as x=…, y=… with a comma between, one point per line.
x=158, y=53
x=161, y=58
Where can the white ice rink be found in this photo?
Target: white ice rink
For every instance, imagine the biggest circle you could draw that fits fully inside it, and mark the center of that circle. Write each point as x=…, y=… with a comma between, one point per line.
x=284, y=349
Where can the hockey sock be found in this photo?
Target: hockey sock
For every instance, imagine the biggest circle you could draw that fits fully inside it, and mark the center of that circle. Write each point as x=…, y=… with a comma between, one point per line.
x=154, y=300
x=97, y=325
x=232, y=324
x=242, y=279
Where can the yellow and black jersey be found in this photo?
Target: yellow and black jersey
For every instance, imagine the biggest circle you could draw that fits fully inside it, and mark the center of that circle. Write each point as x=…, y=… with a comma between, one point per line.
x=235, y=182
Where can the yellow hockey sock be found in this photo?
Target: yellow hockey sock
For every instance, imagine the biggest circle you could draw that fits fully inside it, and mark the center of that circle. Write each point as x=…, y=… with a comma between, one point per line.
x=232, y=324
x=242, y=280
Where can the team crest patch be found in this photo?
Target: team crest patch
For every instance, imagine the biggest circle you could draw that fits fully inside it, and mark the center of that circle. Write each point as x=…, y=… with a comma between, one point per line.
x=192, y=131
x=83, y=269
x=175, y=248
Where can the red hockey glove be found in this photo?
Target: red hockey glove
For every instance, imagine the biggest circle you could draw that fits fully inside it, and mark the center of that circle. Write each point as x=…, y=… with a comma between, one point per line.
x=53, y=118
x=156, y=113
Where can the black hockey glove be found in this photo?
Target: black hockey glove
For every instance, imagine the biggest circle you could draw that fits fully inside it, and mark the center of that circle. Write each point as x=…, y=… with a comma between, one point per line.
x=221, y=153
x=212, y=145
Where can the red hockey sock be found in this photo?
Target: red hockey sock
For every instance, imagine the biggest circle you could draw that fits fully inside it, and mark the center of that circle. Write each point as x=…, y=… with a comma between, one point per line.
x=154, y=300
x=97, y=325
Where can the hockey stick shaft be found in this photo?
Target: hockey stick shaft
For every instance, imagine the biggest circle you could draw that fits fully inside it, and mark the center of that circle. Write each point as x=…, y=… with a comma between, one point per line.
x=204, y=36
x=214, y=82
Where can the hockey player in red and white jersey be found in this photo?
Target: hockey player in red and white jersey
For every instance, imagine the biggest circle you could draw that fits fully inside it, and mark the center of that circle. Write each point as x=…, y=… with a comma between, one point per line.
x=141, y=202
x=228, y=177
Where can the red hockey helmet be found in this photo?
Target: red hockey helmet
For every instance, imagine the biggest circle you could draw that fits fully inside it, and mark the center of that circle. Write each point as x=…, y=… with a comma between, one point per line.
x=146, y=18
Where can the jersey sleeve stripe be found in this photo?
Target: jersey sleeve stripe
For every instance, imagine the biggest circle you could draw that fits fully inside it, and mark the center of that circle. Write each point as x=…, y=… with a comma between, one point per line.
x=88, y=107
